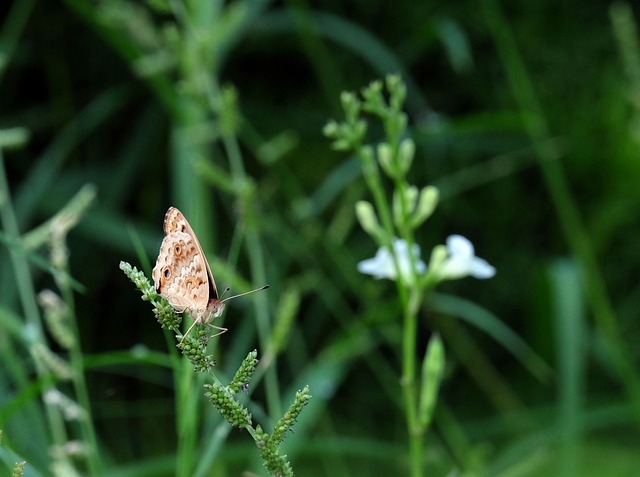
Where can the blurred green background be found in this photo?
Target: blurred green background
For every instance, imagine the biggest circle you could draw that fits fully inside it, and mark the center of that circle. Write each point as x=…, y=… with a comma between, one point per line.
x=525, y=116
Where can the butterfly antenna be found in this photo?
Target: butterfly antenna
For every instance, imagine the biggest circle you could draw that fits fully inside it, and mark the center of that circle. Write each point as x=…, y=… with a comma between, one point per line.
x=224, y=292
x=242, y=294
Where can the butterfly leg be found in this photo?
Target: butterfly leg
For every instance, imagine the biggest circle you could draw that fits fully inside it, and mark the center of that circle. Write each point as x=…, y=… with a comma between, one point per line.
x=219, y=328
x=195, y=322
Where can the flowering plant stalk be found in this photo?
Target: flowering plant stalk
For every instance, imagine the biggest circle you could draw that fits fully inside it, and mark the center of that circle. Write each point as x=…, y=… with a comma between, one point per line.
x=391, y=222
x=225, y=398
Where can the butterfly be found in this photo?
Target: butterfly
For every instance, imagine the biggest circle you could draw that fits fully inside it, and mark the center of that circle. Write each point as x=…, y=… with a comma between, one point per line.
x=183, y=277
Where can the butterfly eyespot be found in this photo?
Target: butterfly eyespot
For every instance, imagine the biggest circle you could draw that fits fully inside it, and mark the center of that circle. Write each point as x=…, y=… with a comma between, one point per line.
x=167, y=272
x=177, y=249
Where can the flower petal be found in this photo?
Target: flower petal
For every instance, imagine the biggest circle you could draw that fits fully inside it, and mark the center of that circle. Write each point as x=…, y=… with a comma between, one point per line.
x=481, y=269
x=460, y=246
x=455, y=267
x=462, y=261
x=381, y=266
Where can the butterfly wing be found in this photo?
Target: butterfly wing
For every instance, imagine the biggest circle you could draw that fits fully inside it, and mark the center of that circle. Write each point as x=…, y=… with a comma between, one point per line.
x=175, y=221
x=180, y=274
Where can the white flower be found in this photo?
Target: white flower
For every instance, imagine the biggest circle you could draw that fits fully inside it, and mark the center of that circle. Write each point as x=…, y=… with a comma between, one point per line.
x=381, y=266
x=462, y=261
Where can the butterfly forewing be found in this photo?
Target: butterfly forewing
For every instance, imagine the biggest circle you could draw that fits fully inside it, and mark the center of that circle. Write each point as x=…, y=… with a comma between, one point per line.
x=182, y=274
x=175, y=221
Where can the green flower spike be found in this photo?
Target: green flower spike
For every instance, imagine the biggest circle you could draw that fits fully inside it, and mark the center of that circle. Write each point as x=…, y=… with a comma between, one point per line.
x=165, y=315
x=286, y=422
x=18, y=469
x=195, y=348
x=240, y=381
x=235, y=413
x=277, y=464
x=56, y=315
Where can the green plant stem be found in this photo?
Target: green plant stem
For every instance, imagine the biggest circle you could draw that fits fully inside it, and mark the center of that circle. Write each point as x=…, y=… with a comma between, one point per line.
x=372, y=176
x=80, y=384
x=409, y=346
x=409, y=388
x=566, y=208
x=409, y=303
x=30, y=309
x=189, y=192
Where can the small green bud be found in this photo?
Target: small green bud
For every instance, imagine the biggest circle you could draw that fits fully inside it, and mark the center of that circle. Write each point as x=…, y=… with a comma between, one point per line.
x=359, y=130
x=341, y=145
x=386, y=159
x=367, y=155
x=373, y=99
x=56, y=315
x=54, y=363
x=18, y=469
x=402, y=212
x=241, y=380
x=71, y=410
x=194, y=347
x=235, y=413
x=432, y=371
x=330, y=129
x=286, y=422
x=438, y=255
x=397, y=124
x=261, y=437
x=397, y=91
x=351, y=105
x=14, y=138
x=139, y=279
x=368, y=220
x=406, y=153
x=426, y=205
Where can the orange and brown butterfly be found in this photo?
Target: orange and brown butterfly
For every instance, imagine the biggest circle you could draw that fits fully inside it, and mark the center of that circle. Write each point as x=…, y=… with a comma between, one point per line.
x=182, y=274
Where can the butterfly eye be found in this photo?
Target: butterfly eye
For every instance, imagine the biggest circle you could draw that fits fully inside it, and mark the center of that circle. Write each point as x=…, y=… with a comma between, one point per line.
x=167, y=272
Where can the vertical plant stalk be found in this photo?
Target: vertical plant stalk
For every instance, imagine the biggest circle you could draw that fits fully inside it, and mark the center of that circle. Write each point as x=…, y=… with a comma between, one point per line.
x=410, y=388
x=410, y=296
x=79, y=203
x=30, y=309
x=224, y=398
x=190, y=113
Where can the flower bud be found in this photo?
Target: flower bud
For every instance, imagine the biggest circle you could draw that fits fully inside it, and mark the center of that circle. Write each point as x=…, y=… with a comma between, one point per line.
x=14, y=138
x=401, y=215
x=406, y=152
x=385, y=158
x=432, y=372
x=426, y=205
x=368, y=220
